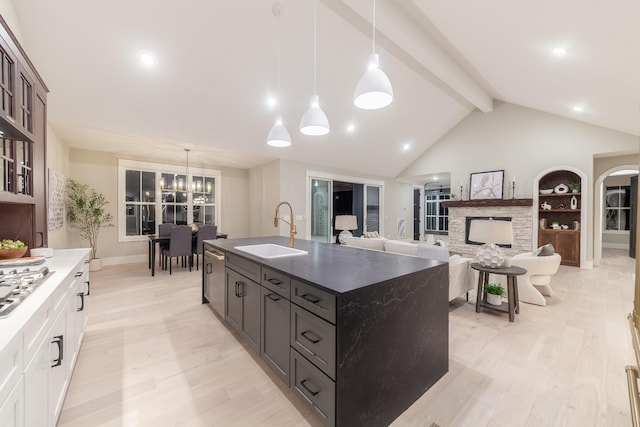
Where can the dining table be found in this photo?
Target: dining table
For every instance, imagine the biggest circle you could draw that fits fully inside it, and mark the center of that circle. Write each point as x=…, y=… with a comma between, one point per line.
x=156, y=239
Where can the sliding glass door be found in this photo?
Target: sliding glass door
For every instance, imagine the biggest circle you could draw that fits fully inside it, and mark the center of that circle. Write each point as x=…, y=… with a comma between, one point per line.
x=321, y=208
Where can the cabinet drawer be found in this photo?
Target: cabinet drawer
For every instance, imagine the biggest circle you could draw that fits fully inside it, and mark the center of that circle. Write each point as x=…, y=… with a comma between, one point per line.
x=315, y=339
x=277, y=282
x=315, y=388
x=242, y=265
x=314, y=299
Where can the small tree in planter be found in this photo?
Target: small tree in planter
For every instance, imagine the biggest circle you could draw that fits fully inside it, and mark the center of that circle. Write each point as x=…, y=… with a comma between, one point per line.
x=495, y=292
x=86, y=212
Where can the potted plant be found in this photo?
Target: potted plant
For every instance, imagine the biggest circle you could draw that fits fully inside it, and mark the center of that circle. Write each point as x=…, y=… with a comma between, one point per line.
x=86, y=212
x=574, y=187
x=495, y=292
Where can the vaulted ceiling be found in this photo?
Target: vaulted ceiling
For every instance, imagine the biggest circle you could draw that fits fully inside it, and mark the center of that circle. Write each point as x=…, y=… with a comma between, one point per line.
x=217, y=63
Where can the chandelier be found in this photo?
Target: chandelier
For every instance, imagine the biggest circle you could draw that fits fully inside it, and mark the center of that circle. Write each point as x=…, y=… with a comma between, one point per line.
x=180, y=185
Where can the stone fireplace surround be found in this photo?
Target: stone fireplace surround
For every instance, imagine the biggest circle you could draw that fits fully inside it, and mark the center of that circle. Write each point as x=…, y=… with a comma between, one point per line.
x=520, y=211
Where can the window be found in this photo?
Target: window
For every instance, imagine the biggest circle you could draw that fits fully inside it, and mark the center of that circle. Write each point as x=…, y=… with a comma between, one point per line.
x=140, y=205
x=617, y=208
x=436, y=216
x=145, y=205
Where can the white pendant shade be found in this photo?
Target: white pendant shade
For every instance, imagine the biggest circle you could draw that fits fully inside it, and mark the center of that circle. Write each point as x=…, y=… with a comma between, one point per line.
x=279, y=135
x=314, y=122
x=374, y=88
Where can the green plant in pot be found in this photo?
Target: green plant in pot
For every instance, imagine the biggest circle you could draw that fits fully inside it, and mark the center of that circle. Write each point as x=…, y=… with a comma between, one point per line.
x=86, y=212
x=574, y=187
x=495, y=292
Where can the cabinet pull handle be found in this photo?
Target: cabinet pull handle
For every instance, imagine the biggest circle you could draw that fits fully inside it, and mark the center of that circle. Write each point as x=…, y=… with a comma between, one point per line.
x=88, y=287
x=273, y=297
x=81, y=295
x=274, y=282
x=311, y=298
x=209, y=268
x=59, y=340
x=87, y=261
x=239, y=292
x=313, y=392
x=78, y=274
x=311, y=337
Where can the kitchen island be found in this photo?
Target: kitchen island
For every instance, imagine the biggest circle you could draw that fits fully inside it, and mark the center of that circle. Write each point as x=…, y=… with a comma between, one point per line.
x=358, y=335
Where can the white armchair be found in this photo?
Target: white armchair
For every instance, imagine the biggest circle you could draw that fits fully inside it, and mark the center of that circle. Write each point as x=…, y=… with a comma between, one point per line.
x=536, y=283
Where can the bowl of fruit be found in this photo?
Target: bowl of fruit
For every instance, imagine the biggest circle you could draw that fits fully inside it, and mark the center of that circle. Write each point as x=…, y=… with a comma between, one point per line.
x=12, y=249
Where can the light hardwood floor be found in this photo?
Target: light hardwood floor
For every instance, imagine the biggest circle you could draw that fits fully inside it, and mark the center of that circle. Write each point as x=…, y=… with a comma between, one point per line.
x=154, y=356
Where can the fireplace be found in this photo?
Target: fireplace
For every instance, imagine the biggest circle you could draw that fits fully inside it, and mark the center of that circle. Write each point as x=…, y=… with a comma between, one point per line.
x=467, y=227
x=518, y=211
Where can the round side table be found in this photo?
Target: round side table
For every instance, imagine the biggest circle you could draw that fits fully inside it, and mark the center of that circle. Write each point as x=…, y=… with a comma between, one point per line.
x=512, y=305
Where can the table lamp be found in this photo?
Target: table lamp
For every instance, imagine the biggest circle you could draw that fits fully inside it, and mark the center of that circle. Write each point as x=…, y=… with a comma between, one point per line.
x=345, y=223
x=491, y=233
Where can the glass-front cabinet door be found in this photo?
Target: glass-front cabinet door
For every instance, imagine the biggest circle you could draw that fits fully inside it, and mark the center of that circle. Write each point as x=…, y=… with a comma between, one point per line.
x=321, y=210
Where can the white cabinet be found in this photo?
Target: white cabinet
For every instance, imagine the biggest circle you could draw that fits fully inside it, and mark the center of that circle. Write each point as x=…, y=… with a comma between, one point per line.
x=36, y=380
x=36, y=365
x=12, y=409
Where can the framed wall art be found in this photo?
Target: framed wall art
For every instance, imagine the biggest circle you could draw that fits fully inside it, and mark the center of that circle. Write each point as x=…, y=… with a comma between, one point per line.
x=486, y=185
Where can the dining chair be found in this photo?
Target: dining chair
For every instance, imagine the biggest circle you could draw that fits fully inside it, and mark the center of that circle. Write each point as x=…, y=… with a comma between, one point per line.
x=179, y=246
x=205, y=232
x=164, y=230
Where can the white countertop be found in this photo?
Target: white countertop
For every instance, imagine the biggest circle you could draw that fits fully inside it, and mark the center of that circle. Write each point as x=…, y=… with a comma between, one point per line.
x=62, y=264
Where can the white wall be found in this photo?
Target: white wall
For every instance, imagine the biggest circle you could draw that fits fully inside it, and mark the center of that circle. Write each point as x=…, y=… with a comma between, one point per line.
x=264, y=196
x=57, y=160
x=523, y=142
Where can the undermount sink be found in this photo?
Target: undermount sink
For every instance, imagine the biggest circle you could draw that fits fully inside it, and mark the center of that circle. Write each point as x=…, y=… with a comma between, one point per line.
x=270, y=251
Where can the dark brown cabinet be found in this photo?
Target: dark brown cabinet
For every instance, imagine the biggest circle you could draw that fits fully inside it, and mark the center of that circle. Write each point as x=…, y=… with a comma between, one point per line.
x=23, y=124
x=559, y=215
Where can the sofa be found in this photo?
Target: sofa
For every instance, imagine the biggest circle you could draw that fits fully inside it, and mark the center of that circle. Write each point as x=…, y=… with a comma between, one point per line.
x=461, y=277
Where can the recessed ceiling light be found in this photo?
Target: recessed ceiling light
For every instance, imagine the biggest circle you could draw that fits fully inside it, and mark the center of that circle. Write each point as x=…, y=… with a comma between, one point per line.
x=406, y=146
x=351, y=127
x=559, y=51
x=578, y=108
x=147, y=59
x=271, y=102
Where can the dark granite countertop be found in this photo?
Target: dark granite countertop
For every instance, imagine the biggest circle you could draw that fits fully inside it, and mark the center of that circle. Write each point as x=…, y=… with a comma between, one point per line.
x=338, y=268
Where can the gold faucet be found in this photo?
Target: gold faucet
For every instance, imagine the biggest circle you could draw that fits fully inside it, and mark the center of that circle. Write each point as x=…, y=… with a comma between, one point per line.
x=292, y=227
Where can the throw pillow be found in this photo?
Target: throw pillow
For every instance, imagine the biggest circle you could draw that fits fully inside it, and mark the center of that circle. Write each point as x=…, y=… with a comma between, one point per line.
x=371, y=235
x=546, y=250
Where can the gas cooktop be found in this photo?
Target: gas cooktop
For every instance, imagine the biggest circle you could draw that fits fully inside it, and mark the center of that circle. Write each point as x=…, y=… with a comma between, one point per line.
x=16, y=285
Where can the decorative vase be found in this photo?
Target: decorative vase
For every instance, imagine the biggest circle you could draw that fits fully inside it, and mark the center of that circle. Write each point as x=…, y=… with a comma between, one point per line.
x=95, y=264
x=494, y=299
x=574, y=203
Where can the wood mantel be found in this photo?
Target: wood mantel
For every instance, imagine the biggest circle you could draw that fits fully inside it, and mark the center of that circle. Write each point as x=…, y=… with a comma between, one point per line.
x=486, y=203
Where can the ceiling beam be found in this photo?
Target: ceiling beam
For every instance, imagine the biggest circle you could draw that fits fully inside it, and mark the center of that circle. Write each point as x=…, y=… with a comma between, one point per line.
x=402, y=36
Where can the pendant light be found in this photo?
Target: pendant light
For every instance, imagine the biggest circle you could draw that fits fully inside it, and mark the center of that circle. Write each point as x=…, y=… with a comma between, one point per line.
x=315, y=122
x=278, y=135
x=374, y=88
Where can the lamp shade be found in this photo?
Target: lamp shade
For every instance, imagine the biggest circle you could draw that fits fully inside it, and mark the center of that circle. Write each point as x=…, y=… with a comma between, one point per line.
x=279, y=135
x=314, y=122
x=374, y=88
x=491, y=231
x=346, y=222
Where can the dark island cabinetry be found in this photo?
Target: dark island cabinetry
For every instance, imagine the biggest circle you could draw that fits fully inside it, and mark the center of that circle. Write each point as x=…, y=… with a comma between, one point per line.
x=358, y=349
